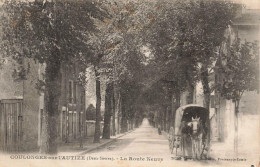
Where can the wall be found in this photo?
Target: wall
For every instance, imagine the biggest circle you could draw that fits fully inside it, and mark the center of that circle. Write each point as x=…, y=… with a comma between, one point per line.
x=91, y=89
x=30, y=108
x=71, y=105
x=11, y=88
x=71, y=122
x=90, y=128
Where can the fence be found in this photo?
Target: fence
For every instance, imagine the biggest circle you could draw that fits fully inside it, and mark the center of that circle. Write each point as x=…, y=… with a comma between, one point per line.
x=10, y=124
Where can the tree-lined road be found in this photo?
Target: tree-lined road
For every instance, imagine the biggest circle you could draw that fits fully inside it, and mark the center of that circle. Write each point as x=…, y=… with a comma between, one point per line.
x=143, y=141
x=145, y=58
x=143, y=145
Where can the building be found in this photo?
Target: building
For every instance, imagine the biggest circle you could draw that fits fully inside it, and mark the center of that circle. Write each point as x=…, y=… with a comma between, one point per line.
x=71, y=106
x=21, y=105
x=19, y=110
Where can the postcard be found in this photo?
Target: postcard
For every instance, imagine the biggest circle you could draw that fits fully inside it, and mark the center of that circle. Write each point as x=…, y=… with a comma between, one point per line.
x=129, y=83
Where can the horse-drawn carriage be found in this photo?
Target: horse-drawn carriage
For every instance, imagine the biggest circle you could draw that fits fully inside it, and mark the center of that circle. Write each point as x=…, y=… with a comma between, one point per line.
x=190, y=136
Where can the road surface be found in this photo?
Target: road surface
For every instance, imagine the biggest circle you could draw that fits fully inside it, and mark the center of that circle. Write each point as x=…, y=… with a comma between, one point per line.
x=143, y=141
x=145, y=146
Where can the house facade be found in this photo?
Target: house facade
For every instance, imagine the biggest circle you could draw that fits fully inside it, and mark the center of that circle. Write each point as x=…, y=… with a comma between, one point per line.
x=21, y=106
x=18, y=106
x=72, y=110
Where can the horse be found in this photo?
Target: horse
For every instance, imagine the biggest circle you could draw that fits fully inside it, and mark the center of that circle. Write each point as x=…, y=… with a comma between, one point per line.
x=197, y=136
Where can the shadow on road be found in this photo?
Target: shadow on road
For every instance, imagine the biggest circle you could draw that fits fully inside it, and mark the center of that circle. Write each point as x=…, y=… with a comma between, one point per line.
x=151, y=142
x=119, y=144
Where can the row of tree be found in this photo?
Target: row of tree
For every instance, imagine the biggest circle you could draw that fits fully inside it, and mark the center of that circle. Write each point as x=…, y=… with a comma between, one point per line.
x=94, y=34
x=149, y=52
x=186, y=42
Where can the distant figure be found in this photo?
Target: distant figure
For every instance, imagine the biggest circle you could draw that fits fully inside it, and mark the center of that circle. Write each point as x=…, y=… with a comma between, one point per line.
x=159, y=130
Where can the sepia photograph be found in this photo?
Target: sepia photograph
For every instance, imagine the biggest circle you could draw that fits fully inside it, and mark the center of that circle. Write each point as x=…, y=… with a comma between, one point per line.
x=129, y=83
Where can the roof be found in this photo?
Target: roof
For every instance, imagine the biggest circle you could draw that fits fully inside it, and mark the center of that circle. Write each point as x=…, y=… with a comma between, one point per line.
x=188, y=105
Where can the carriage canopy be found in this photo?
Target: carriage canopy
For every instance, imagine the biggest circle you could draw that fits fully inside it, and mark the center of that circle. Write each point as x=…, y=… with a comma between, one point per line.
x=185, y=113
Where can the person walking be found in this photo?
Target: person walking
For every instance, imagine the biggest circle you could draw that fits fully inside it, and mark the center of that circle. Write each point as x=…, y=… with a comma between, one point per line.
x=159, y=130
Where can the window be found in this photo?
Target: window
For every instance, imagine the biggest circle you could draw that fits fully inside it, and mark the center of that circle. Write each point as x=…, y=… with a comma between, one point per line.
x=72, y=92
x=70, y=123
x=75, y=92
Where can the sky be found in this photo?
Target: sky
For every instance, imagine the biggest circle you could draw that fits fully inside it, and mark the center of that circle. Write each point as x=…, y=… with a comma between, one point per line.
x=250, y=4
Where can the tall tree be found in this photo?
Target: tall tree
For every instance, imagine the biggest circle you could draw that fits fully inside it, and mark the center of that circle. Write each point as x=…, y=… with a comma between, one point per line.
x=209, y=20
x=108, y=111
x=113, y=43
x=52, y=33
x=167, y=40
x=241, y=73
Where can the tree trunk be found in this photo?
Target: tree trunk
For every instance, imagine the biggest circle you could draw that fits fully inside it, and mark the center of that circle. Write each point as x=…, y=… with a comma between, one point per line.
x=51, y=103
x=190, y=94
x=161, y=119
x=175, y=106
x=82, y=117
x=132, y=124
x=136, y=122
x=113, y=112
x=171, y=111
x=123, y=123
x=206, y=92
x=236, y=128
x=116, y=99
x=165, y=119
x=117, y=109
x=205, y=84
x=108, y=111
x=190, y=86
x=124, y=119
x=98, y=106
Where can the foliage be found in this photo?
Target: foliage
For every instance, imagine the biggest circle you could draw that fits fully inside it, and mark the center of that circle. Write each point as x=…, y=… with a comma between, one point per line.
x=91, y=112
x=183, y=38
x=118, y=37
x=35, y=29
x=48, y=31
x=241, y=72
x=54, y=33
